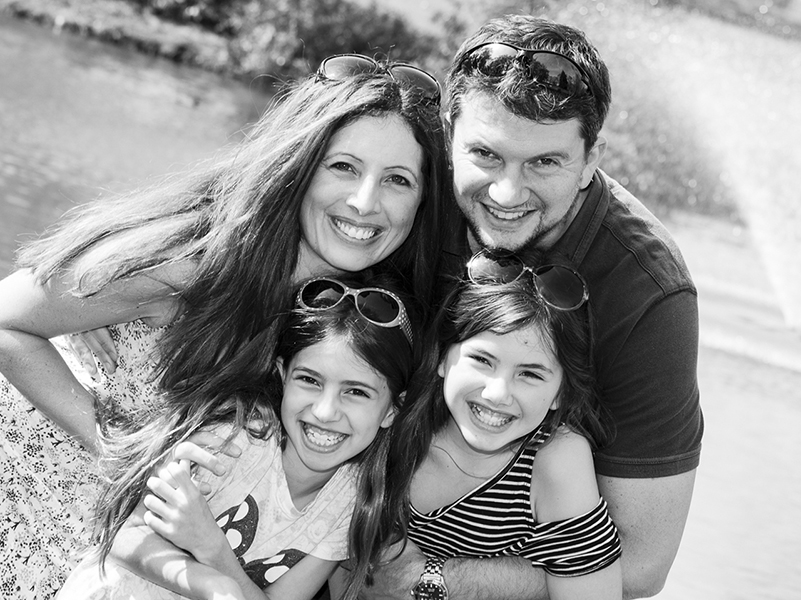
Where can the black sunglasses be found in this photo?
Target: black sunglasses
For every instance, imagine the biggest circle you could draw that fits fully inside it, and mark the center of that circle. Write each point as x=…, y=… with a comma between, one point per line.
x=559, y=287
x=341, y=66
x=548, y=69
x=377, y=305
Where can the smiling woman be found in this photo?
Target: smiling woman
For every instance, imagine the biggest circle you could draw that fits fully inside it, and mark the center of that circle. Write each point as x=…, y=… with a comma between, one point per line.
x=363, y=198
x=191, y=275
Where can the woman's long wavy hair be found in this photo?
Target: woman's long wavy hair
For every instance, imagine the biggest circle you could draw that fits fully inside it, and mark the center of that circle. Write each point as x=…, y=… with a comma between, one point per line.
x=130, y=450
x=472, y=309
x=236, y=221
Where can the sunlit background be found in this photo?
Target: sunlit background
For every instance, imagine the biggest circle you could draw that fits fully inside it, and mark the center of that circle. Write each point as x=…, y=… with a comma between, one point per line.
x=704, y=128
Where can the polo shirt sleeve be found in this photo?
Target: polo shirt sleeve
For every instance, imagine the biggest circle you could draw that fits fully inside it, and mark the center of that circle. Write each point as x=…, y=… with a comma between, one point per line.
x=650, y=392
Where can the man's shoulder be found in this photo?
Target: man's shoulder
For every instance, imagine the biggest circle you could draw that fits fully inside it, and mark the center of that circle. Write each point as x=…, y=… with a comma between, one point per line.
x=631, y=238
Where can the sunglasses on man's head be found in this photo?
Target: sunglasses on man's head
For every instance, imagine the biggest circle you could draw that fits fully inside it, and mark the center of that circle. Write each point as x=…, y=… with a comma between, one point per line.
x=548, y=69
x=559, y=287
x=376, y=305
x=341, y=66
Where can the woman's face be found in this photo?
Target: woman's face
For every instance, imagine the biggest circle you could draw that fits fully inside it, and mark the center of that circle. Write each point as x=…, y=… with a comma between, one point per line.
x=499, y=388
x=363, y=198
x=333, y=406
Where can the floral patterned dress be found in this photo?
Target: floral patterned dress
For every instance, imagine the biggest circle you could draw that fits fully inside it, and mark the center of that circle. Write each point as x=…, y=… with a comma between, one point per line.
x=48, y=482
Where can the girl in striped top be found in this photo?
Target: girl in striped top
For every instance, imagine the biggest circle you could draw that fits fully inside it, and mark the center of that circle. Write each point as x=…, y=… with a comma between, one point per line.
x=494, y=450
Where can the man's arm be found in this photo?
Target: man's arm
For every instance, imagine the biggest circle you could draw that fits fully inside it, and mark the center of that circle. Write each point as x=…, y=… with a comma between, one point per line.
x=507, y=578
x=650, y=515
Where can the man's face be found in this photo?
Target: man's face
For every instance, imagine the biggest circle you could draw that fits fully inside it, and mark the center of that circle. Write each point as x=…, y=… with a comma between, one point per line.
x=517, y=181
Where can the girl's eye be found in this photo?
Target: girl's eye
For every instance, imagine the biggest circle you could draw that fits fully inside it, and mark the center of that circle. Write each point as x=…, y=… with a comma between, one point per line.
x=306, y=379
x=480, y=359
x=357, y=392
x=531, y=375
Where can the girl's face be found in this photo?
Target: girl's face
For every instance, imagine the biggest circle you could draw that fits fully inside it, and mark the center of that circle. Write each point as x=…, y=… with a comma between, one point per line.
x=363, y=197
x=499, y=388
x=334, y=403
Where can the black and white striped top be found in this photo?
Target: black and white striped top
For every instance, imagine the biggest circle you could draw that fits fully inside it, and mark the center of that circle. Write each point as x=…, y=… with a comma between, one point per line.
x=495, y=519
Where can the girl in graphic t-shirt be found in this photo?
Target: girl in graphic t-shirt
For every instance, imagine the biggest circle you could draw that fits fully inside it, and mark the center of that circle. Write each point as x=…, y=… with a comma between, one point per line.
x=277, y=524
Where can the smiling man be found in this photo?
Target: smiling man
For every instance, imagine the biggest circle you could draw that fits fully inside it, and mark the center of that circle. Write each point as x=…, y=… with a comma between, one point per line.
x=526, y=101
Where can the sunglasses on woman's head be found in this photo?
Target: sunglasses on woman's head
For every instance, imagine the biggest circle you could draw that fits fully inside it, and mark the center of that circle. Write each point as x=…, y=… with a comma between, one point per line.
x=559, y=287
x=341, y=66
x=376, y=305
x=548, y=69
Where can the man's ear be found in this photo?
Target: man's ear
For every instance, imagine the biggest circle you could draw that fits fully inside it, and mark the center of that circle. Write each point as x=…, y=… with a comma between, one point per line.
x=594, y=157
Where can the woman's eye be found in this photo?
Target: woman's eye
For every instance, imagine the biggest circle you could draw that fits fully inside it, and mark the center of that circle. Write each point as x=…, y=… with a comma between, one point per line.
x=480, y=359
x=341, y=166
x=531, y=375
x=399, y=180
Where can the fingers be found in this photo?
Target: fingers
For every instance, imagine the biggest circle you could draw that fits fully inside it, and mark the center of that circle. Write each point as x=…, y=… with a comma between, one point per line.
x=99, y=342
x=82, y=351
x=215, y=443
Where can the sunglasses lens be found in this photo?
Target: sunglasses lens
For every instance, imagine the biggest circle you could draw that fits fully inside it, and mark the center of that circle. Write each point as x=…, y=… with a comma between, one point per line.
x=555, y=72
x=551, y=70
x=321, y=293
x=340, y=67
x=560, y=287
x=377, y=306
x=492, y=60
x=486, y=268
x=417, y=78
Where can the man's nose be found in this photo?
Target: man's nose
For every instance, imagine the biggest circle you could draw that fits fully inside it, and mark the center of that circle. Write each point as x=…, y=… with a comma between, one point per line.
x=509, y=189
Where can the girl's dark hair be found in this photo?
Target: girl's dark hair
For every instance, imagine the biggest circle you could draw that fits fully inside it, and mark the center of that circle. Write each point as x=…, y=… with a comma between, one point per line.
x=233, y=226
x=472, y=309
x=133, y=445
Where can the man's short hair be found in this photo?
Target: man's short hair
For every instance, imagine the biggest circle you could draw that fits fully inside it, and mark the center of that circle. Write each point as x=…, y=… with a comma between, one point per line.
x=518, y=92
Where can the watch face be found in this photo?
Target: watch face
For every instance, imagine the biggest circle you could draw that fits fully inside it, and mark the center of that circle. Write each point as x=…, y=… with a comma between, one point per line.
x=426, y=590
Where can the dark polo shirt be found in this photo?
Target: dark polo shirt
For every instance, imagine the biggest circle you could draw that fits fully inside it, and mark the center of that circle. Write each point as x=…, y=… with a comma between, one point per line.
x=644, y=314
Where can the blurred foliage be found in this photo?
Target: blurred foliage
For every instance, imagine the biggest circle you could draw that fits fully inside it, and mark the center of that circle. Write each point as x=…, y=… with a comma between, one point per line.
x=653, y=148
x=289, y=38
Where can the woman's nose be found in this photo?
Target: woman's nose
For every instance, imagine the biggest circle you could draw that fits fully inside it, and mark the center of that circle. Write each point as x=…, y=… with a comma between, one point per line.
x=365, y=198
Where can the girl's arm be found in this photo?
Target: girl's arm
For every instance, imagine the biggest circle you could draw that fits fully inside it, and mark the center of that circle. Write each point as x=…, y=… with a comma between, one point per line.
x=148, y=555
x=564, y=486
x=32, y=312
x=180, y=514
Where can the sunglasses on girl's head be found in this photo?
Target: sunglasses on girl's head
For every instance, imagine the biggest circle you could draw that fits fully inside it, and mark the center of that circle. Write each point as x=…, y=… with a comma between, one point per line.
x=378, y=306
x=549, y=69
x=340, y=66
x=559, y=287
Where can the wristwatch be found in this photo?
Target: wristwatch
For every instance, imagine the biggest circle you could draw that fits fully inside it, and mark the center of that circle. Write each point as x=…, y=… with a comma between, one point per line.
x=431, y=585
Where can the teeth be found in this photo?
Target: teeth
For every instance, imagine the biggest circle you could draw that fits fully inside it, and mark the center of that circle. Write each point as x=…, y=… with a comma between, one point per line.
x=359, y=233
x=322, y=437
x=490, y=417
x=506, y=216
